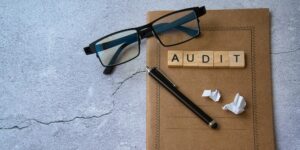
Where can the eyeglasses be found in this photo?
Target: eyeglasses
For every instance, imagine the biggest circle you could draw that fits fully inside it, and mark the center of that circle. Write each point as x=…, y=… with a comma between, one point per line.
x=171, y=29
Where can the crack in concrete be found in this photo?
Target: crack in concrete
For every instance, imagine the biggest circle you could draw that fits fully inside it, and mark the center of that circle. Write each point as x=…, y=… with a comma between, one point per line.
x=286, y=52
x=14, y=127
x=126, y=79
x=18, y=127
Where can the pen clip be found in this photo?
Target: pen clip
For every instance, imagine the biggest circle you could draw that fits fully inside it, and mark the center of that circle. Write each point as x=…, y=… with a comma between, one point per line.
x=166, y=77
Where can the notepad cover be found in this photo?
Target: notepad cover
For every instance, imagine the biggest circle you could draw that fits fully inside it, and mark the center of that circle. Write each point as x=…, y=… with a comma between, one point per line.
x=171, y=126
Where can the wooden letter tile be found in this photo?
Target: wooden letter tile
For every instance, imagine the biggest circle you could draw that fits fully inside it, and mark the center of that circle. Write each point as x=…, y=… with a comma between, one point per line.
x=175, y=58
x=190, y=58
x=221, y=59
x=236, y=59
x=206, y=59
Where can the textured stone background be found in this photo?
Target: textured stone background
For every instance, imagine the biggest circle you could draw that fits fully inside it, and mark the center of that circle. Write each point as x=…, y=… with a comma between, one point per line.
x=52, y=96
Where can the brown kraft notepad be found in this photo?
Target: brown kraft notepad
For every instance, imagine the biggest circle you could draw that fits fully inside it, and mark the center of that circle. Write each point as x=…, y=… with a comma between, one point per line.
x=171, y=126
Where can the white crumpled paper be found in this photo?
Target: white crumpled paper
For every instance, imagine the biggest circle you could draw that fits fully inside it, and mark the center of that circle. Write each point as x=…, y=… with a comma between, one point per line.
x=237, y=106
x=214, y=95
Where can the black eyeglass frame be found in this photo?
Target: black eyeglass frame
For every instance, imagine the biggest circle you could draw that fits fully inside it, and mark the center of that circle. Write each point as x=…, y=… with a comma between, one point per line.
x=145, y=31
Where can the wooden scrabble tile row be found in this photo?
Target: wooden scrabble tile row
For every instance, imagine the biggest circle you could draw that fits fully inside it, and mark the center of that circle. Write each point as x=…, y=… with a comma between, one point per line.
x=206, y=59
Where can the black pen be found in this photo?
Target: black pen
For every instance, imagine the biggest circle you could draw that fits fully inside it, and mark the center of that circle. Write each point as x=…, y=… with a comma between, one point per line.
x=165, y=82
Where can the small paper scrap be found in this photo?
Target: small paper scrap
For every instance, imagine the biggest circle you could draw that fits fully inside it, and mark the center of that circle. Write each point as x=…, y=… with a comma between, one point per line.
x=214, y=95
x=237, y=106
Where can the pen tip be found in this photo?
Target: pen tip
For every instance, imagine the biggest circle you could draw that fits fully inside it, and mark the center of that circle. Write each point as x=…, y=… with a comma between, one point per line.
x=148, y=68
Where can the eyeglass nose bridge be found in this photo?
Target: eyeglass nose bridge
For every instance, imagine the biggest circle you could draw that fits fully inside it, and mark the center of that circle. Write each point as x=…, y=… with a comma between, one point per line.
x=145, y=31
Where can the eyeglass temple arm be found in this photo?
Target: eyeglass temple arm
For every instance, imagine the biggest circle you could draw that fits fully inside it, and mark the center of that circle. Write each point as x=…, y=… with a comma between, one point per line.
x=177, y=24
x=109, y=69
x=163, y=27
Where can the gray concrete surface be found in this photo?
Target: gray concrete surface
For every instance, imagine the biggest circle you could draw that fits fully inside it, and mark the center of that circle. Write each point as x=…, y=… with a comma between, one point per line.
x=52, y=96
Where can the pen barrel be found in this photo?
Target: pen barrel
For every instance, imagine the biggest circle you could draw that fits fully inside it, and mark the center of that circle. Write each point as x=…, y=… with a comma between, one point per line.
x=192, y=106
x=182, y=98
